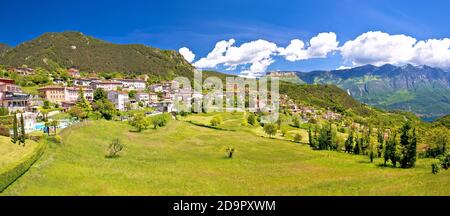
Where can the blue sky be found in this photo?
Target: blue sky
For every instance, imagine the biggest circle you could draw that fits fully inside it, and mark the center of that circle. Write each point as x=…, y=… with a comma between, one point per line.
x=199, y=25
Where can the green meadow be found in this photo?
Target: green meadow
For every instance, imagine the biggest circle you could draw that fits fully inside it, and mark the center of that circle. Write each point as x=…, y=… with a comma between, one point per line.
x=15, y=159
x=187, y=159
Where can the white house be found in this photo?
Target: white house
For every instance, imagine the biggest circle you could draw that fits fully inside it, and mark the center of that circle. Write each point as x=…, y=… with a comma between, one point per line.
x=132, y=84
x=164, y=106
x=153, y=97
x=85, y=81
x=119, y=99
x=156, y=88
x=143, y=97
x=107, y=85
x=72, y=94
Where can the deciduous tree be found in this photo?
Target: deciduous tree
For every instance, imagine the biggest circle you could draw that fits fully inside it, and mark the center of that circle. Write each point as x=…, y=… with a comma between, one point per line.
x=270, y=129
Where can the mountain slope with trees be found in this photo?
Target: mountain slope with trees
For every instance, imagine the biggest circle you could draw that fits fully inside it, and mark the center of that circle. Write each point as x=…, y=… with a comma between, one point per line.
x=69, y=49
x=4, y=47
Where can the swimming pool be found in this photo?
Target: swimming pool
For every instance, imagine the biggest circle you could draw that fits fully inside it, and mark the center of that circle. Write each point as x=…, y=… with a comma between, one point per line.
x=41, y=125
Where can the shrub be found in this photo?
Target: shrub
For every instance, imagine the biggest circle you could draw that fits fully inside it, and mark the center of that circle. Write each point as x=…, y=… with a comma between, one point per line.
x=312, y=121
x=3, y=111
x=139, y=122
x=296, y=121
x=4, y=130
x=283, y=131
x=251, y=119
x=114, y=149
x=342, y=129
x=105, y=108
x=438, y=140
x=244, y=123
x=78, y=113
x=55, y=139
x=435, y=167
x=230, y=152
x=270, y=129
x=183, y=113
x=5, y=124
x=445, y=161
x=216, y=120
x=297, y=138
x=95, y=115
x=160, y=120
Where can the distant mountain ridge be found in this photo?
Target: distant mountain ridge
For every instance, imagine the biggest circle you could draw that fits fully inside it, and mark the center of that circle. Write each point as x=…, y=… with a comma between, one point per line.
x=421, y=89
x=68, y=49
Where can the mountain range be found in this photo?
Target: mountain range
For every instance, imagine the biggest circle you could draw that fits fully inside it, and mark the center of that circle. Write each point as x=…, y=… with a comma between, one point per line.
x=423, y=90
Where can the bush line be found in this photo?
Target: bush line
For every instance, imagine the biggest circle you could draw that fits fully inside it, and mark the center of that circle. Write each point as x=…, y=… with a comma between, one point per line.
x=8, y=176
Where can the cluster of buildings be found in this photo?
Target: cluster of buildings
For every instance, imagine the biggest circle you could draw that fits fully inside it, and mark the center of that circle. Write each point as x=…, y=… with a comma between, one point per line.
x=12, y=97
x=159, y=96
x=117, y=89
x=308, y=112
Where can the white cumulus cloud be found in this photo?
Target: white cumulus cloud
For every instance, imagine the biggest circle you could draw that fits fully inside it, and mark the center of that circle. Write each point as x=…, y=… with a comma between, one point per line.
x=432, y=52
x=379, y=48
x=187, y=54
x=257, y=55
x=319, y=47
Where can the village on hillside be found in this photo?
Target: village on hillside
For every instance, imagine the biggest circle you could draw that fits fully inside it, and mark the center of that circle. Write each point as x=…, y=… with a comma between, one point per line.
x=124, y=94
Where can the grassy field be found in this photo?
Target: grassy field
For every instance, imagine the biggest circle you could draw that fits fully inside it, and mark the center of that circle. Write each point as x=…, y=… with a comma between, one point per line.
x=233, y=121
x=184, y=159
x=15, y=159
x=10, y=153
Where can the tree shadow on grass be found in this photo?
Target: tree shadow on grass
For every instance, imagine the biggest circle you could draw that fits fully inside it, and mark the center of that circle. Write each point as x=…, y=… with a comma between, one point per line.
x=112, y=156
x=364, y=162
x=381, y=165
x=134, y=131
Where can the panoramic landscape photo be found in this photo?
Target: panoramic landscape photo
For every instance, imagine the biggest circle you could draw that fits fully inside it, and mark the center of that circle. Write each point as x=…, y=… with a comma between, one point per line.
x=231, y=98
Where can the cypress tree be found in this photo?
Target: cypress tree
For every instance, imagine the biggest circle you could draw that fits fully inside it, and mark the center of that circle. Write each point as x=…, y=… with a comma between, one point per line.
x=349, y=143
x=412, y=150
x=404, y=143
x=310, y=139
x=380, y=141
x=314, y=139
x=386, y=152
x=390, y=150
x=408, y=143
x=393, y=151
x=22, y=130
x=357, y=147
x=14, y=139
x=371, y=156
